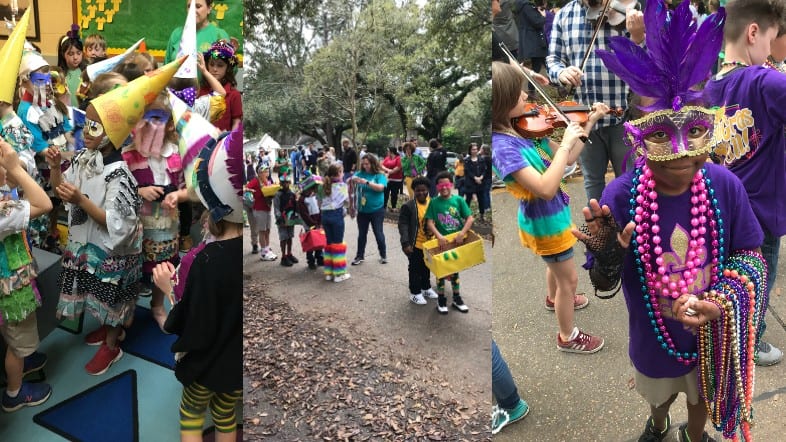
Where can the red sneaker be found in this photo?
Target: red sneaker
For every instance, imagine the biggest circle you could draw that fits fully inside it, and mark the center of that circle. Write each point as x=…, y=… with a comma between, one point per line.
x=582, y=343
x=103, y=359
x=579, y=302
x=98, y=336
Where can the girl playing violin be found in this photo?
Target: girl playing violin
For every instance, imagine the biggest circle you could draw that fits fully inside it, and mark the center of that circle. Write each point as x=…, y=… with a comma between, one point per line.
x=533, y=170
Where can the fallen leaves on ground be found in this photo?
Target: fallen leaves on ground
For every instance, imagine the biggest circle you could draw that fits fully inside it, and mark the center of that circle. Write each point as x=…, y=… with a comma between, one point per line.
x=306, y=381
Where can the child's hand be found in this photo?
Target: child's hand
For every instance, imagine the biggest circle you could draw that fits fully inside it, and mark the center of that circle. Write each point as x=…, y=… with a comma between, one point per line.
x=459, y=238
x=151, y=193
x=443, y=243
x=8, y=157
x=53, y=157
x=162, y=278
x=598, y=111
x=694, y=312
x=596, y=218
x=201, y=62
x=69, y=193
x=572, y=134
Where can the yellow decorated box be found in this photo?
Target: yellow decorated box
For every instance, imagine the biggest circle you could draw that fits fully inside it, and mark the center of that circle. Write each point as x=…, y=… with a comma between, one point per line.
x=271, y=189
x=454, y=258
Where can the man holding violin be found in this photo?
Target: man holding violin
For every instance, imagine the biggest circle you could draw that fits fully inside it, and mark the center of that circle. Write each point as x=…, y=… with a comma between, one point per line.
x=572, y=62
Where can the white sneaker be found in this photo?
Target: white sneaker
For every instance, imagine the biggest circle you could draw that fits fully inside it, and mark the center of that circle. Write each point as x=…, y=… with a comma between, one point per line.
x=430, y=293
x=341, y=278
x=417, y=298
x=269, y=256
x=328, y=277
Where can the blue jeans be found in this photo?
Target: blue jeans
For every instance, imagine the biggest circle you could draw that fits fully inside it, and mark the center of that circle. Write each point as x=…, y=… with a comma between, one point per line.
x=375, y=219
x=484, y=197
x=769, y=250
x=502, y=384
x=607, y=145
x=333, y=223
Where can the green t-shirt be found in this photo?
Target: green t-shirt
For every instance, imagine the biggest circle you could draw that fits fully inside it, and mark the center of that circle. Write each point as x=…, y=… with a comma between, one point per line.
x=205, y=38
x=73, y=80
x=449, y=214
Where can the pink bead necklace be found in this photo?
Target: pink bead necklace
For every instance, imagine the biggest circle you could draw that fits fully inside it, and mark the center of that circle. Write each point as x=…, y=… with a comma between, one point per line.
x=650, y=253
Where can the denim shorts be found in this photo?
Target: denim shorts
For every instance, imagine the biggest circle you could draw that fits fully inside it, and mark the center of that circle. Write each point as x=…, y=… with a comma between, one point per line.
x=559, y=257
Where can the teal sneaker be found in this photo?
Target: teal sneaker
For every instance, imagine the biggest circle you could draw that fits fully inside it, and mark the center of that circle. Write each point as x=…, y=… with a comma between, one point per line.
x=501, y=417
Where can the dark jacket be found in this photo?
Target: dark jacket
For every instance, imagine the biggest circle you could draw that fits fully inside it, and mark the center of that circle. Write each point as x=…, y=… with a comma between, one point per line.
x=436, y=162
x=471, y=170
x=532, y=41
x=408, y=223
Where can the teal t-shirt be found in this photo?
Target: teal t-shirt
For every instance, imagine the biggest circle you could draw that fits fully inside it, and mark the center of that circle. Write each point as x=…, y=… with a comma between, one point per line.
x=370, y=200
x=449, y=214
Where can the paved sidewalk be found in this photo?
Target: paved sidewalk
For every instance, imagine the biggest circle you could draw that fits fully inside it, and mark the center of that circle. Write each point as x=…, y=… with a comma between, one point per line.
x=589, y=397
x=375, y=300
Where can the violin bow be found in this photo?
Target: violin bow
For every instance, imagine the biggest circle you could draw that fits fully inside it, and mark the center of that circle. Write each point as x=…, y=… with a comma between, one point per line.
x=592, y=40
x=537, y=87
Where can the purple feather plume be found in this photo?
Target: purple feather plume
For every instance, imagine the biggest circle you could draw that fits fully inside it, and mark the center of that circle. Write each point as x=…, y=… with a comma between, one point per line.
x=233, y=143
x=677, y=57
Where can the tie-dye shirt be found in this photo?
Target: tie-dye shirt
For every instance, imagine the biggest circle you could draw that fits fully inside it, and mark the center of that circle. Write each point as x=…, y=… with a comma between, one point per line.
x=544, y=225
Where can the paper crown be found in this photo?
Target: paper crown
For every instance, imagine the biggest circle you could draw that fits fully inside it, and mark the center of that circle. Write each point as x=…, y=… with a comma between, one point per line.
x=104, y=66
x=222, y=50
x=310, y=180
x=219, y=174
x=11, y=58
x=121, y=108
x=195, y=134
x=188, y=45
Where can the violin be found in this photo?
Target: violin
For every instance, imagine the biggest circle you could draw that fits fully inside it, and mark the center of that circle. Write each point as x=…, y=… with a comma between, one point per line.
x=539, y=121
x=615, y=15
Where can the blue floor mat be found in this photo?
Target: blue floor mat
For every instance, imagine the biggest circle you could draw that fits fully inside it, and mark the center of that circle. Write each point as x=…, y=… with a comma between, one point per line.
x=145, y=340
x=87, y=416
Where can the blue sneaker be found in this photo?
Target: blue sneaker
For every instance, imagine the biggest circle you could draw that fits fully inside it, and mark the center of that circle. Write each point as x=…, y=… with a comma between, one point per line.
x=501, y=417
x=34, y=362
x=29, y=396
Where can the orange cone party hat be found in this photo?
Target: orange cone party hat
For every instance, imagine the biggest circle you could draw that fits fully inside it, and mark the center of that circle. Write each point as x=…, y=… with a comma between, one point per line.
x=120, y=109
x=195, y=132
x=11, y=58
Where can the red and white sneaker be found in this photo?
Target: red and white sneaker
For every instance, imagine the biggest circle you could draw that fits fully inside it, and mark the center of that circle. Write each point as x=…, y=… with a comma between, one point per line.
x=98, y=336
x=582, y=343
x=103, y=359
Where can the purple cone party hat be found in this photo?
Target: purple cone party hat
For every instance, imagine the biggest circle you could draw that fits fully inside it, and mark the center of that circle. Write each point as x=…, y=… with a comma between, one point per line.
x=678, y=57
x=11, y=58
x=188, y=45
x=122, y=108
x=310, y=180
x=195, y=133
x=104, y=66
x=219, y=174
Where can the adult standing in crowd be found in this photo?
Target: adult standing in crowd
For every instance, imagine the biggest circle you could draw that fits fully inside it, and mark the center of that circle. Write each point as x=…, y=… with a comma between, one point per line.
x=349, y=159
x=504, y=25
x=474, y=171
x=412, y=165
x=532, y=41
x=295, y=158
x=206, y=32
x=484, y=203
x=570, y=37
x=391, y=165
x=370, y=185
x=436, y=162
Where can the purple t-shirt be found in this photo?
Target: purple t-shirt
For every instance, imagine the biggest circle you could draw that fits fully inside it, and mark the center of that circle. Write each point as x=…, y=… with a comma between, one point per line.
x=739, y=233
x=754, y=145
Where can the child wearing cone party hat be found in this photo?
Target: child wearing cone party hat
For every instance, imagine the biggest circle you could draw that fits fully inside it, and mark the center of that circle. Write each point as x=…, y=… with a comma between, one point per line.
x=209, y=318
x=101, y=263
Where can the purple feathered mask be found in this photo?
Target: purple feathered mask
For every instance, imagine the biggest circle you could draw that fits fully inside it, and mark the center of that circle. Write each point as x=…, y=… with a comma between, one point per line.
x=678, y=57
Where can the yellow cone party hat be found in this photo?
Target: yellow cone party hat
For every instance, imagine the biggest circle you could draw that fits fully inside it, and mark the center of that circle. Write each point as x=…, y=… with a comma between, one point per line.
x=120, y=109
x=11, y=58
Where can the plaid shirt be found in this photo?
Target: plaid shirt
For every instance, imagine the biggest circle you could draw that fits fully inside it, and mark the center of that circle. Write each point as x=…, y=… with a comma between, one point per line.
x=570, y=36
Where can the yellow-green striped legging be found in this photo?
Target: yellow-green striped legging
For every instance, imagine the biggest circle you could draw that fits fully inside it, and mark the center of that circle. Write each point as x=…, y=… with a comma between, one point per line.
x=194, y=403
